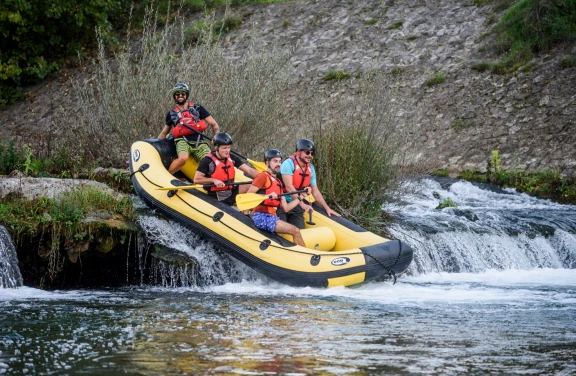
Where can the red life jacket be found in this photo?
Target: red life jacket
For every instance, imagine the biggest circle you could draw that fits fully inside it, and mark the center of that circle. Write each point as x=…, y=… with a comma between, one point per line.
x=188, y=121
x=269, y=205
x=302, y=176
x=223, y=171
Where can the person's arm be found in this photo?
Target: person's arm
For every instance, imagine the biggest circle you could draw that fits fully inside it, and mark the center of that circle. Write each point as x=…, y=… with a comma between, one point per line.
x=320, y=200
x=212, y=123
x=165, y=131
x=289, y=206
x=289, y=183
x=248, y=170
x=201, y=172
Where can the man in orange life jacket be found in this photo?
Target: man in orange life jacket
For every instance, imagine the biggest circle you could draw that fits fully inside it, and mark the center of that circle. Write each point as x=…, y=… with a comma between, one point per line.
x=187, y=119
x=298, y=173
x=267, y=182
x=218, y=168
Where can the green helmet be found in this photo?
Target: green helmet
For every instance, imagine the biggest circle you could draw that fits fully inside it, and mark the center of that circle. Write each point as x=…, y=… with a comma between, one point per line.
x=180, y=87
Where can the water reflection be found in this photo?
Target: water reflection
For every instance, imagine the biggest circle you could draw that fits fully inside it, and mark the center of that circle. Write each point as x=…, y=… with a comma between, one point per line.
x=449, y=324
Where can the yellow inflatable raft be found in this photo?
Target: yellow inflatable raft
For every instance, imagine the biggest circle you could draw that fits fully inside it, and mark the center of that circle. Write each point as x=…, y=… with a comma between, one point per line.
x=337, y=252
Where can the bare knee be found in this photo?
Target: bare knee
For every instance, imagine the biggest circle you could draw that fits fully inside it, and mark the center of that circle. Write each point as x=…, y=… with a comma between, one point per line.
x=181, y=160
x=294, y=231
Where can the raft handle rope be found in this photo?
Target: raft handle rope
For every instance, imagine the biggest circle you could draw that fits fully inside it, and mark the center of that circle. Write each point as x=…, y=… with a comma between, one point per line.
x=266, y=243
x=142, y=168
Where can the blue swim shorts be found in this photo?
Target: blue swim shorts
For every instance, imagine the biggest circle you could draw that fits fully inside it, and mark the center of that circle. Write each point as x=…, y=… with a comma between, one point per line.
x=266, y=222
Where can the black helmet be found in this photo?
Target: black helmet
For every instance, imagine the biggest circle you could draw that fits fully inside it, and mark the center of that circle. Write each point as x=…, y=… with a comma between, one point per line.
x=272, y=153
x=305, y=144
x=180, y=87
x=222, y=139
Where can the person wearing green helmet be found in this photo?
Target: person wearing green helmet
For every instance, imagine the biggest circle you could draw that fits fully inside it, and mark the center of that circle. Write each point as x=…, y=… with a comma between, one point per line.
x=187, y=121
x=298, y=173
x=216, y=170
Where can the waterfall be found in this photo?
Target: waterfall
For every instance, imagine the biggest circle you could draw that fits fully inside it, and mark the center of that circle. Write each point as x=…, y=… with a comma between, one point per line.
x=209, y=266
x=10, y=276
x=491, y=228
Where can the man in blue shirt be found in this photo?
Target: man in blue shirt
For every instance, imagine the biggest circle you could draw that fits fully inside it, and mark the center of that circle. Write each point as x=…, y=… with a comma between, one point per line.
x=298, y=173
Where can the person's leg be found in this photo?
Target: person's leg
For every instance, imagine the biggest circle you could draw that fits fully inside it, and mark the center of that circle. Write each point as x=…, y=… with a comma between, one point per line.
x=183, y=152
x=286, y=228
x=200, y=152
x=296, y=217
x=281, y=214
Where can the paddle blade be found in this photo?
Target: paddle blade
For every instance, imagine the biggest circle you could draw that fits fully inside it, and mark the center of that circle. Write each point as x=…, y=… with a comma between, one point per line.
x=245, y=201
x=259, y=166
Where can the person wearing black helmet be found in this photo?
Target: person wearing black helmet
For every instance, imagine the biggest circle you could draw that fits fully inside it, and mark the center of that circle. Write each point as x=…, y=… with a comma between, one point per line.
x=265, y=215
x=187, y=119
x=217, y=168
x=298, y=173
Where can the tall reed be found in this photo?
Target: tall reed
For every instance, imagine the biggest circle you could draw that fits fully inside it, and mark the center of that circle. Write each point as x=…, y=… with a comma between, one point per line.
x=130, y=94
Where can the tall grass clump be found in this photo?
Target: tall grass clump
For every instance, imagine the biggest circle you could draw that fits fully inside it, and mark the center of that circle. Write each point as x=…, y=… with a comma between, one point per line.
x=359, y=159
x=129, y=96
x=531, y=26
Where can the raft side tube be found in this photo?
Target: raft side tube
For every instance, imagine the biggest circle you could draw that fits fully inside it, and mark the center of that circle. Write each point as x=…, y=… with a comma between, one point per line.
x=394, y=255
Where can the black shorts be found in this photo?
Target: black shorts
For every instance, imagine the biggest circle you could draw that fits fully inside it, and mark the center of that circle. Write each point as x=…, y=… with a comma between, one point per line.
x=294, y=217
x=223, y=196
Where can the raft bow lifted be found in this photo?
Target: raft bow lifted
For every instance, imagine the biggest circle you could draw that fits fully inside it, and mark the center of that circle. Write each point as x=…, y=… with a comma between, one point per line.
x=337, y=253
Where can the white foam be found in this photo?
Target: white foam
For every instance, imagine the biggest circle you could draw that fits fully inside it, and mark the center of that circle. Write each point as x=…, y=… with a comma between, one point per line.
x=476, y=288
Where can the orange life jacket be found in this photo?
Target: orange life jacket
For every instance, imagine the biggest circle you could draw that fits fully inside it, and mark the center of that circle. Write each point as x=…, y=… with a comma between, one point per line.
x=188, y=121
x=302, y=176
x=224, y=171
x=269, y=205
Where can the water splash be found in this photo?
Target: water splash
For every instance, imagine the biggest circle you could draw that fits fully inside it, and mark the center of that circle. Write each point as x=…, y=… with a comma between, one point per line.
x=210, y=265
x=491, y=228
x=10, y=276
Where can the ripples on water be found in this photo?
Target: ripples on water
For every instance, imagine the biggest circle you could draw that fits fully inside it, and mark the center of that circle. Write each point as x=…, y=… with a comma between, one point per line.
x=492, y=290
x=513, y=321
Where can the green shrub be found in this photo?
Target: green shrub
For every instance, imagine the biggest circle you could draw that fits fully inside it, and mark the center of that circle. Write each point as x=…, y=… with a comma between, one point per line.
x=436, y=79
x=546, y=184
x=395, y=25
x=447, y=203
x=337, y=75
x=458, y=123
x=442, y=172
x=531, y=26
x=24, y=217
x=37, y=34
x=370, y=21
x=357, y=157
x=242, y=95
x=568, y=62
x=11, y=158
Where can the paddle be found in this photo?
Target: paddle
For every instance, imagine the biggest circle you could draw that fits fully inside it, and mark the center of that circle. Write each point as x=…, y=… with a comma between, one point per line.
x=259, y=166
x=247, y=201
x=198, y=186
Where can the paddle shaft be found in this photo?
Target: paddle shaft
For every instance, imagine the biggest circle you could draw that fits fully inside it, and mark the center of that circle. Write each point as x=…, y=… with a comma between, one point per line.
x=199, y=186
x=210, y=138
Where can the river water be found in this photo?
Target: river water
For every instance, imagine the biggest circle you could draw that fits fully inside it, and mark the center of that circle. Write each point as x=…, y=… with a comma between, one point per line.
x=492, y=290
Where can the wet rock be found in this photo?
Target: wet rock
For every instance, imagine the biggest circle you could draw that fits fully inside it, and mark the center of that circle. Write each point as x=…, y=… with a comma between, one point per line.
x=466, y=213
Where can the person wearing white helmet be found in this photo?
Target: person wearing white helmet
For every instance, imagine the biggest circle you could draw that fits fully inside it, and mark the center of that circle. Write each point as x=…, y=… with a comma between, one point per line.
x=187, y=119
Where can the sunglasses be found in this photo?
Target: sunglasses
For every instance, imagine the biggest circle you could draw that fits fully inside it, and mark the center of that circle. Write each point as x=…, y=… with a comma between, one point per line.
x=180, y=94
x=307, y=152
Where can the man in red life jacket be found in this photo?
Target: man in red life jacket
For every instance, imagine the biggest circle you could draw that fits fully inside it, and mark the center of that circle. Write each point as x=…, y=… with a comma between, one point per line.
x=267, y=182
x=187, y=119
x=218, y=168
x=298, y=173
